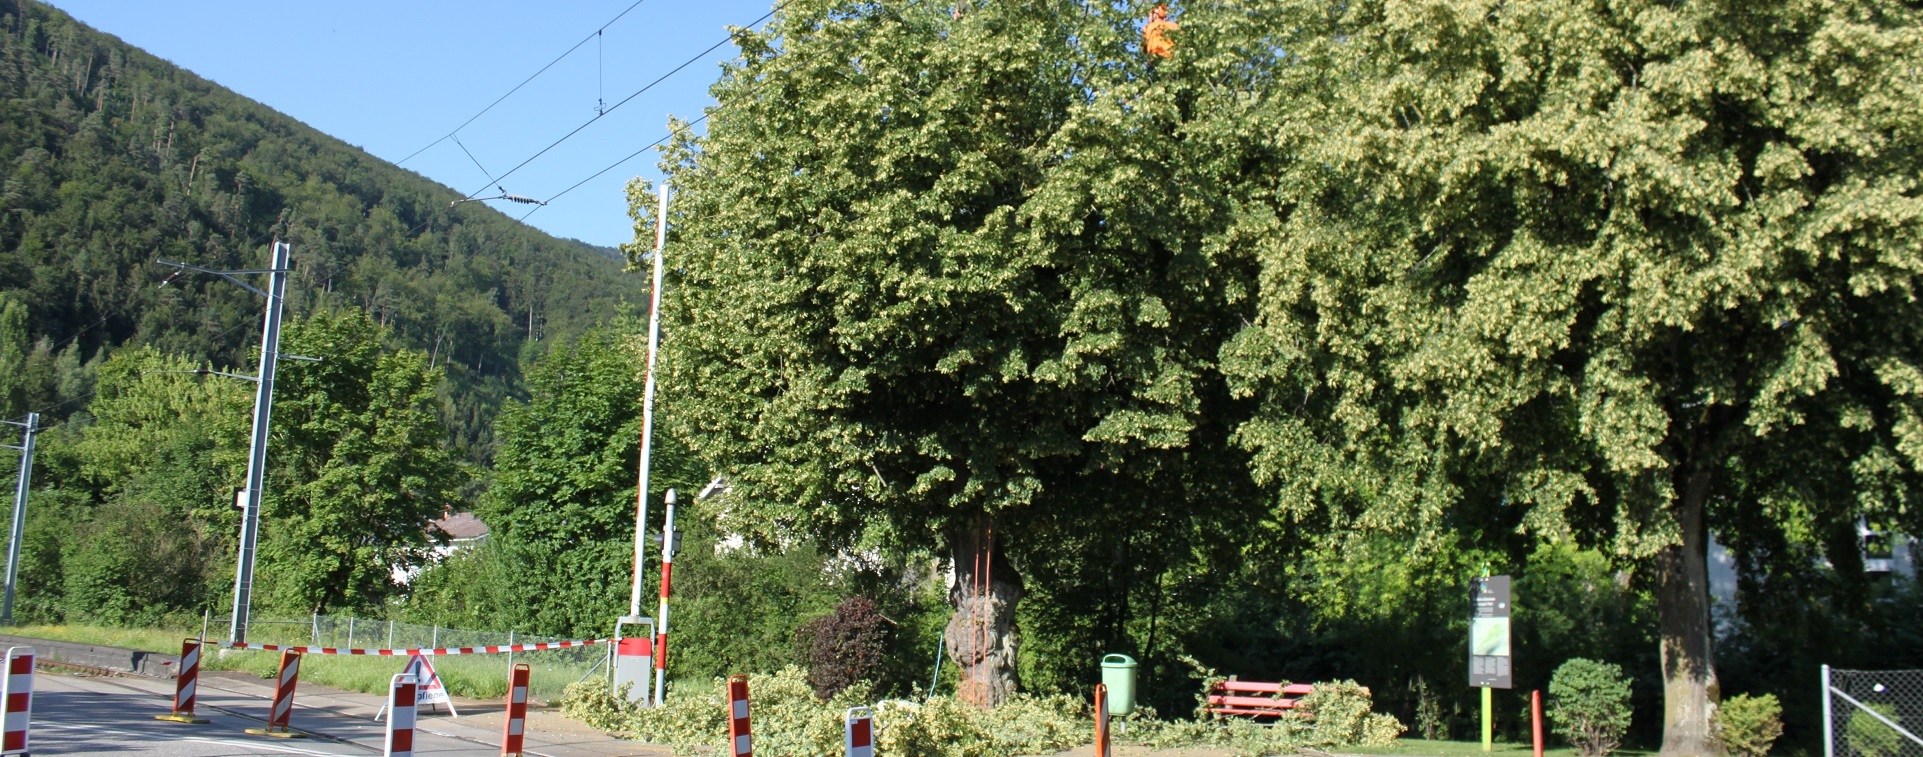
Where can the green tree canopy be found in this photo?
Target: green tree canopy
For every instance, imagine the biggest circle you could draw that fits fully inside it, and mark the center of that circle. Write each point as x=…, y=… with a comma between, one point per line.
x=360, y=467
x=946, y=279
x=1619, y=272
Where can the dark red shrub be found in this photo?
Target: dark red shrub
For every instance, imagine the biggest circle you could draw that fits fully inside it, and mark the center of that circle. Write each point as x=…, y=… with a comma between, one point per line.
x=844, y=647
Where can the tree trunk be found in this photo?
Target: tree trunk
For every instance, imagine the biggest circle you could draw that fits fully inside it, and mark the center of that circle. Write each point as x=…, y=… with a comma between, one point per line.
x=1690, y=690
x=980, y=636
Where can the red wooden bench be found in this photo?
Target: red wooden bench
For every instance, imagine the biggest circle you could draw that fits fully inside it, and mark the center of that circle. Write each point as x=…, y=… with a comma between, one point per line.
x=1255, y=699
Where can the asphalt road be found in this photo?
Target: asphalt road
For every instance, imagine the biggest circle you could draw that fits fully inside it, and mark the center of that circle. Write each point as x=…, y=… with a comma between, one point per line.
x=83, y=715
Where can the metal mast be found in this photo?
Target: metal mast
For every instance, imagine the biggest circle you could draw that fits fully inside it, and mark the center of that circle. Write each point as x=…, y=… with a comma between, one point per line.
x=20, y=487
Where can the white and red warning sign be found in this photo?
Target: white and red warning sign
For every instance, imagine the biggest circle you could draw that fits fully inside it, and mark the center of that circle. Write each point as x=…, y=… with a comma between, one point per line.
x=429, y=690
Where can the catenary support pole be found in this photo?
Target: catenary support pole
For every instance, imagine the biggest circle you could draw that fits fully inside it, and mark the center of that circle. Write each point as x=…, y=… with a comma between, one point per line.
x=257, y=455
x=20, y=488
x=668, y=548
x=647, y=408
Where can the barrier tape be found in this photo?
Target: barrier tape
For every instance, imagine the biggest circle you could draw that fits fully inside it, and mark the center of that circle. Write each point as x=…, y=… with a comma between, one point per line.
x=413, y=652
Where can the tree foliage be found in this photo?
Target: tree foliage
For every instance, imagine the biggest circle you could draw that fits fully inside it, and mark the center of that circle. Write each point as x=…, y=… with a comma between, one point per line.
x=116, y=158
x=361, y=468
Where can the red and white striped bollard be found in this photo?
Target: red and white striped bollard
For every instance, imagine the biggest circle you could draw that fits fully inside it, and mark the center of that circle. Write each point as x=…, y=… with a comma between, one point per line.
x=860, y=733
x=399, y=741
x=16, y=701
x=283, y=708
x=739, y=737
x=1101, y=720
x=186, y=685
x=515, y=732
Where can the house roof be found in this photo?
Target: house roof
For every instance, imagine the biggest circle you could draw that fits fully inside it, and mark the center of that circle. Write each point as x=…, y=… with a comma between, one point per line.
x=462, y=526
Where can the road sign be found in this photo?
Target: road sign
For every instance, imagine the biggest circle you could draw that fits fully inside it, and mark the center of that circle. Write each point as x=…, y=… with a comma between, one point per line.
x=1489, y=633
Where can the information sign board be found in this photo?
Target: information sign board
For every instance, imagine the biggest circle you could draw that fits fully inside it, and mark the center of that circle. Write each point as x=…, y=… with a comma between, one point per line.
x=1489, y=633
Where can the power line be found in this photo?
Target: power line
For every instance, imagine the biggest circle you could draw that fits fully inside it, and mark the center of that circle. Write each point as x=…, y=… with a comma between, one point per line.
x=672, y=132
x=637, y=93
x=524, y=82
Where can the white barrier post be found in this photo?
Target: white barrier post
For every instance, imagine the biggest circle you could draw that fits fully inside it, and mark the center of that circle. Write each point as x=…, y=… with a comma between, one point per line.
x=16, y=701
x=400, y=719
x=860, y=738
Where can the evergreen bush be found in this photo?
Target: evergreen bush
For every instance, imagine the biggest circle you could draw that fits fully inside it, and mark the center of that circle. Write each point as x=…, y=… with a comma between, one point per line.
x=1749, y=725
x=1871, y=737
x=1589, y=705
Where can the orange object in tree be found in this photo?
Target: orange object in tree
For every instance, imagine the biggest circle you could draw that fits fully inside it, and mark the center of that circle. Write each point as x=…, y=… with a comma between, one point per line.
x=1155, y=33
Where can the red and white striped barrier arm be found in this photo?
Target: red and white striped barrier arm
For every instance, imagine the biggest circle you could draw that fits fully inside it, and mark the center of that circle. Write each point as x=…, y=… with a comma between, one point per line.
x=739, y=738
x=860, y=738
x=400, y=719
x=515, y=732
x=16, y=701
x=284, y=691
x=185, y=679
x=501, y=649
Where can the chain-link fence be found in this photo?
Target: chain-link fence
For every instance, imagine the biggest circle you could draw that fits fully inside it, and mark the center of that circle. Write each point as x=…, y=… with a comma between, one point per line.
x=1872, y=713
x=471, y=675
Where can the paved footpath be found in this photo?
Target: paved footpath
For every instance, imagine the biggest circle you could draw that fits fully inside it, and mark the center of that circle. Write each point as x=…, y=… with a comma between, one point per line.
x=90, y=714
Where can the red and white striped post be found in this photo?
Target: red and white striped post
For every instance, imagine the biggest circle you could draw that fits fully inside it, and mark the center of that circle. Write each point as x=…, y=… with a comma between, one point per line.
x=283, y=708
x=661, y=618
x=400, y=720
x=186, y=685
x=515, y=733
x=16, y=701
x=860, y=738
x=739, y=738
x=1101, y=720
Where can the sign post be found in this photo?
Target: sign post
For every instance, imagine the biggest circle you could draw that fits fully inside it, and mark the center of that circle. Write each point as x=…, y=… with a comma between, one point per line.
x=1489, y=663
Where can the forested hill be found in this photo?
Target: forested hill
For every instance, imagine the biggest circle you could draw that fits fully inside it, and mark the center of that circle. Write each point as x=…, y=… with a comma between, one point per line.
x=118, y=158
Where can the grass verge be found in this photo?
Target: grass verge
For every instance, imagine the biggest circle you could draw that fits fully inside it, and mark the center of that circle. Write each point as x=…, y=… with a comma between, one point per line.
x=472, y=676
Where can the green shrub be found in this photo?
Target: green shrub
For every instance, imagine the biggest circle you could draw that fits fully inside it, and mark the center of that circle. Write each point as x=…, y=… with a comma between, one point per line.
x=1589, y=705
x=1871, y=737
x=1342, y=713
x=1749, y=725
x=790, y=719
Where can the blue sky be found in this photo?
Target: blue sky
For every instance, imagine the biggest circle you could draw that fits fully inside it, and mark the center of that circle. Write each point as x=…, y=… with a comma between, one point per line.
x=393, y=76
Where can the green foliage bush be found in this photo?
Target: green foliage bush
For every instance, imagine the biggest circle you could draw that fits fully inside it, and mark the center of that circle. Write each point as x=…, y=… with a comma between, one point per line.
x=1749, y=725
x=790, y=719
x=1871, y=737
x=1589, y=705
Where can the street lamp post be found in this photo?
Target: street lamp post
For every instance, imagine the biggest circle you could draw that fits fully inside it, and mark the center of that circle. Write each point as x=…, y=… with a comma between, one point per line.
x=263, y=410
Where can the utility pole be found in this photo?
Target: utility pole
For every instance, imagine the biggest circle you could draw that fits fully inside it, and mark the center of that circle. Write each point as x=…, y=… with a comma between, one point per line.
x=250, y=497
x=20, y=486
x=257, y=456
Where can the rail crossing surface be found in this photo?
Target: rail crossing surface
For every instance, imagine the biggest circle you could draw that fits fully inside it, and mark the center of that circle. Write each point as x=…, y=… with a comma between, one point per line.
x=90, y=714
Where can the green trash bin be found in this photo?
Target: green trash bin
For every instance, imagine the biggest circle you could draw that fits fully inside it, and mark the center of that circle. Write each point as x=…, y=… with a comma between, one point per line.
x=1118, y=674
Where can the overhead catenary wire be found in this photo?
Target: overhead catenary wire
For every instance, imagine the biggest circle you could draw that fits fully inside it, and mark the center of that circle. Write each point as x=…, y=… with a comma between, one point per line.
x=637, y=93
x=672, y=133
x=524, y=82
